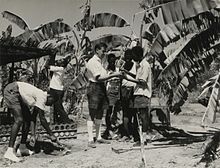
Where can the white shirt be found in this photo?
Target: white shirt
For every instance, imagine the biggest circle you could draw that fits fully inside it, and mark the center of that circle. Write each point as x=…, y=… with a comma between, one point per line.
x=57, y=78
x=95, y=68
x=144, y=73
x=32, y=96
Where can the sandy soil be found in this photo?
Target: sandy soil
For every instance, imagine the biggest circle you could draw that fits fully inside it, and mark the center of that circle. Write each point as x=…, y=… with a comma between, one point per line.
x=157, y=156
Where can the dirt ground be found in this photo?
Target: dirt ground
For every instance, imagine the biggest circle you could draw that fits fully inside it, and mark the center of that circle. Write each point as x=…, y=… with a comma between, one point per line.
x=157, y=155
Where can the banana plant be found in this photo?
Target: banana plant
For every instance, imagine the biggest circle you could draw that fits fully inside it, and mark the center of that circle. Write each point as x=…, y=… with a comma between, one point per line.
x=180, y=69
x=184, y=66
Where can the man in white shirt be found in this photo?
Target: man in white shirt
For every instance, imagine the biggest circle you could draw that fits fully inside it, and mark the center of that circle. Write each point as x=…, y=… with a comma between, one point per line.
x=19, y=97
x=96, y=92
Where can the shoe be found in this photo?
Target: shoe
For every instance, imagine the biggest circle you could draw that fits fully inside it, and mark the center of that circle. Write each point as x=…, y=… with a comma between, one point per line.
x=115, y=137
x=11, y=156
x=131, y=140
x=124, y=139
x=138, y=143
x=24, y=152
x=148, y=141
x=91, y=144
x=102, y=141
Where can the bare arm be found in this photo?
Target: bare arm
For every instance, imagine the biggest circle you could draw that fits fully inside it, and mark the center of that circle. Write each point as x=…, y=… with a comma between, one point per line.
x=102, y=78
x=129, y=73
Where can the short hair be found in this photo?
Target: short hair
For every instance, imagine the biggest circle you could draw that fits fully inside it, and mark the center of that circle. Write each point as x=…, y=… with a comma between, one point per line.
x=128, y=54
x=99, y=46
x=137, y=53
x=110, y=56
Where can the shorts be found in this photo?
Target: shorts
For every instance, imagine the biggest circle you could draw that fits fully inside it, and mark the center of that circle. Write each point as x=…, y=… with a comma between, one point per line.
x=127, y=96
x=140, y=101
x=97, y=98
x=12, y=96
x=113, y=98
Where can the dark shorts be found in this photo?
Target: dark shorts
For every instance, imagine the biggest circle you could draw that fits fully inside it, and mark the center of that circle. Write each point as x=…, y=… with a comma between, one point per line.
x=140, y=102
x=127, y=97
x=97, y=98
x=113, y=98
x=12, y=96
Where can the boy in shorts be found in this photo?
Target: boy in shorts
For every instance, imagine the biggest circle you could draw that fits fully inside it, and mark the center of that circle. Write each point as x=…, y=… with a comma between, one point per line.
x=142, y=90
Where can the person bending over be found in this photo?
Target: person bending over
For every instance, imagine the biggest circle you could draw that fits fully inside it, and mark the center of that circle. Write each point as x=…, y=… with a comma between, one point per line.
x=19, y=97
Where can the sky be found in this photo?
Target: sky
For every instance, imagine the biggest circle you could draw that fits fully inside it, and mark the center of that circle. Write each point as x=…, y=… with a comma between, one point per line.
x=37, y=12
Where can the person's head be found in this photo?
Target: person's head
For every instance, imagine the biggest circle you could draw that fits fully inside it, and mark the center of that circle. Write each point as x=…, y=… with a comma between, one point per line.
x=100, y=49
x=111, y=61
x=137, y=53
x=62, y=62
x=128, y=55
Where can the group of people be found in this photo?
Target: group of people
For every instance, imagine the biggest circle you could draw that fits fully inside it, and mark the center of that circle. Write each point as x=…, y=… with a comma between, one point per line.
x=25, y=102
x=125, y=84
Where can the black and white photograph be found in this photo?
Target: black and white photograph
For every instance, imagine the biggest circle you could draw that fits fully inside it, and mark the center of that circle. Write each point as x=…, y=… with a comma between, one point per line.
x=109, y=83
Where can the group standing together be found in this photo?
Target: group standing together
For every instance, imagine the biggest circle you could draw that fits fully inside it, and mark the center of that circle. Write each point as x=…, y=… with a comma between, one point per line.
x=125, y=84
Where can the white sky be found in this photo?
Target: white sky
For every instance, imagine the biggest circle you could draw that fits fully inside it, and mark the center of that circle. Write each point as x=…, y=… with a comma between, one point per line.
x=36, y=12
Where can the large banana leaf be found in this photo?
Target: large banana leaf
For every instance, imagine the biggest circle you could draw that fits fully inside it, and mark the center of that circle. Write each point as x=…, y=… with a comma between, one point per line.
x=112, y=41
x=103, y=20
x=46, y=31
x=15, y=19
x=62, y=46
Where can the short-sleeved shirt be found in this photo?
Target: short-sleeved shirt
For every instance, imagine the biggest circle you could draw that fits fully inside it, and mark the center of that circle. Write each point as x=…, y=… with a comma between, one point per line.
x=144, y=73
x=95, y=68
x=57, y=78
x=31, y=95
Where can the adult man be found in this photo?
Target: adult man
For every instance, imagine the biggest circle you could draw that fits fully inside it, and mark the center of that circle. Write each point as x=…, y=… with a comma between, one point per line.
x=96, y=92
x=19, y=97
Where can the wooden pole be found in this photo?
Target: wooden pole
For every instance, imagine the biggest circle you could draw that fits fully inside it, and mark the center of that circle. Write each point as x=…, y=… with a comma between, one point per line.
x=142, y=141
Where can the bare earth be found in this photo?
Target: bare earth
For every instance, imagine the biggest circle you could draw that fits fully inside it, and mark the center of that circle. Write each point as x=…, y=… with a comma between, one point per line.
x=166, y=156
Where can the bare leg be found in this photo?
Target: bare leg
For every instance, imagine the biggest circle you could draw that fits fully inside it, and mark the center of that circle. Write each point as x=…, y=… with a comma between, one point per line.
x=9, y=154
x=17, y=114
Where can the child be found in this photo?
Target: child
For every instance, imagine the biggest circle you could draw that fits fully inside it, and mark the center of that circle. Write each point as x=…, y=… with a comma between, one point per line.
x=113, y=94
x=142, y=90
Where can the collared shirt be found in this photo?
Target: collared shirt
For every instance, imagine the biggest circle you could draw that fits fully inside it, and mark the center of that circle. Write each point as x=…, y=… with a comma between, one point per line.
x=32, y=96
x=144, y=73
x=57, y=78
x=95, y=68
